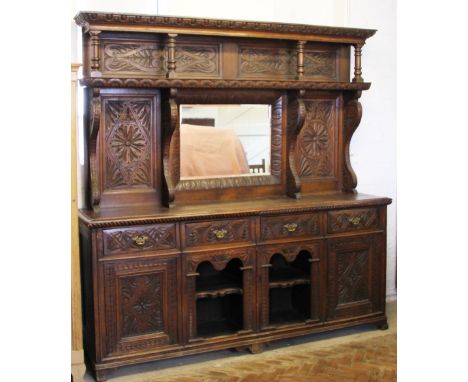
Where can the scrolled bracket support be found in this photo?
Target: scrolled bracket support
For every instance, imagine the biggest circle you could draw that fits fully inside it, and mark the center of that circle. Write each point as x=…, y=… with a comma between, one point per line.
x=94, y=124
x=296, y=118
x=352, y=118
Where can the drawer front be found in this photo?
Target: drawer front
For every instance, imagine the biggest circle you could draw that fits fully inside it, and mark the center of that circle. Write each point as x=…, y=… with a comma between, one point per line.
x=139, y=238
x=277, y=227
x=353, y=220
x=216, y=232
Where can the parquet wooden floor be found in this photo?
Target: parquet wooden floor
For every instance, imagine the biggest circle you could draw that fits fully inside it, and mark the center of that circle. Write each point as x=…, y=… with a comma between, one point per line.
x=359, y=361
x=350, y=355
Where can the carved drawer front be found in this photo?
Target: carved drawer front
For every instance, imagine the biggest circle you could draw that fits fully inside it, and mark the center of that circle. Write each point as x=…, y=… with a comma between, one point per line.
x=352, y=220
x=139, y=238
x=284, y=226
x=217, y=232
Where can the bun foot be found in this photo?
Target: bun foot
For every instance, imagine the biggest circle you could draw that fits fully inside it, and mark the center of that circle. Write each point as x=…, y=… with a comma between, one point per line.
x=383, y=326
x=256, y=348
x=101, y=375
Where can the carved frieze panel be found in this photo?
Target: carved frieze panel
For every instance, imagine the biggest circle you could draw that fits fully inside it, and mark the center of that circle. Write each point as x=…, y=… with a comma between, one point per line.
x=161, y=236
x=320, y=64
x=200, y=60
x=352, y=276
x=290, y=226
x=264, y=62
x=132, y=58
x=350, y=220
x=128, y=150
x=217, y=232
x=316, y=142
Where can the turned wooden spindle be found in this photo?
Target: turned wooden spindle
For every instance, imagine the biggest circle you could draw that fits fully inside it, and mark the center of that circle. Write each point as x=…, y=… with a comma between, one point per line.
x=357, y=63
x=171, y=60
x=300, y=59
x=95, y=46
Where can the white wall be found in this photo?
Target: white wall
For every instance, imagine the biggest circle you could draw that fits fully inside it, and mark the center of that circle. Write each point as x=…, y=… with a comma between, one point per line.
x=373, y=148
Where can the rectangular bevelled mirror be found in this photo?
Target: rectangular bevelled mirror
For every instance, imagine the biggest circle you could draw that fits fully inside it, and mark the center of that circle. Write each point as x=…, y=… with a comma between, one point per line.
x=225, y=140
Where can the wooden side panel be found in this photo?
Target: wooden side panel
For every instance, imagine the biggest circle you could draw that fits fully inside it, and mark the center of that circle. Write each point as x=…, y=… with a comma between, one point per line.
x=129, y=145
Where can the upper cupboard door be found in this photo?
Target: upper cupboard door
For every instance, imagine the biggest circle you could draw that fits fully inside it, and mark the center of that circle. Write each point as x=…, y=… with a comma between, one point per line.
x=130, y=147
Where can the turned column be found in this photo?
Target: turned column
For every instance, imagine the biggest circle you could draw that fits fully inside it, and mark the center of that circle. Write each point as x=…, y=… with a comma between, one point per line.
x=300, y=59
x=357, y=63
x=171, y=60
x=95, y=47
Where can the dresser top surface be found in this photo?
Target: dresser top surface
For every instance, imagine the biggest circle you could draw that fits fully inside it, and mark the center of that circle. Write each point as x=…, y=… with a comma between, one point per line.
x=189, y=25
x=278, y=205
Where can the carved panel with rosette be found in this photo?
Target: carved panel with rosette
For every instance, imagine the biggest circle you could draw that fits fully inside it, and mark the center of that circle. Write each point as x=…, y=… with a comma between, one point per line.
x=141, y=238
x=128, y=143
x=316, y=142
x=140, y=304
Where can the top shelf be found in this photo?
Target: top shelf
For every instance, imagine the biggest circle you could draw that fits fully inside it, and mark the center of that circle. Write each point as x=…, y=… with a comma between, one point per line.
x=219, y=27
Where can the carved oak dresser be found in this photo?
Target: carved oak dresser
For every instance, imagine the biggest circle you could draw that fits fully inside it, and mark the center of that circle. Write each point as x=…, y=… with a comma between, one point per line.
x=175, y=265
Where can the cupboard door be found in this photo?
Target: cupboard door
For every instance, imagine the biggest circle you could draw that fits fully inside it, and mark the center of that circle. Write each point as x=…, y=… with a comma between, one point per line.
x=219, y=293
x=355, y=268
x=140, y=305
x=289, y=284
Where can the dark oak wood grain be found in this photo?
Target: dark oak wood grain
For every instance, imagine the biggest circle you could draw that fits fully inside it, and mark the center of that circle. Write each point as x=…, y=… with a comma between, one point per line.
x=173, y=267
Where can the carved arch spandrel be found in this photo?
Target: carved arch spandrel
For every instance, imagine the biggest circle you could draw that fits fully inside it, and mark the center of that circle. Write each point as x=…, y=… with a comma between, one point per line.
x=171, y=147
x=296, y=118
x=94, y=124
x=352, y=118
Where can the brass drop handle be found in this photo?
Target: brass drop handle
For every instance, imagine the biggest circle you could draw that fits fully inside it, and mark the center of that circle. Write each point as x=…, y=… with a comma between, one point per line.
x=220, y=233
x=355, y=220
x=140, y=239
x=291, y=227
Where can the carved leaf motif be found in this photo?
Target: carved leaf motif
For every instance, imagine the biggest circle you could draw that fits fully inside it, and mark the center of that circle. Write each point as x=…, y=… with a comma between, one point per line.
x=353, y=276
x=266, y=62
x=128, y=144
x=139, y=57
x=196, y=59
x=141, y=304
x=320, y=64
x=316, y=140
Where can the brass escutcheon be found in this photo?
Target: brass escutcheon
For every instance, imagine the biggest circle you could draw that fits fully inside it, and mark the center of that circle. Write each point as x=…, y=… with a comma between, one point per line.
x=355, y=220
x=140, y=239
x=220, y=233
x=291, y=227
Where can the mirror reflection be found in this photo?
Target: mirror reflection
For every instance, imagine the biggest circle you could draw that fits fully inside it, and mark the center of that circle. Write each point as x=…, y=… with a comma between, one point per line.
x=224, y=140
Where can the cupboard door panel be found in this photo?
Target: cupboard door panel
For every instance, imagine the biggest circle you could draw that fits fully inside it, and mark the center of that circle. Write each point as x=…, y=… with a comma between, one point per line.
x=140, y=303
x=354, y=268
x=219, y=293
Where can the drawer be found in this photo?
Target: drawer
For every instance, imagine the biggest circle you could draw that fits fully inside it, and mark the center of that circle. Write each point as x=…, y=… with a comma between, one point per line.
x=352, y=220
x=283, y=226
x=139, y=238
x=217, y=231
